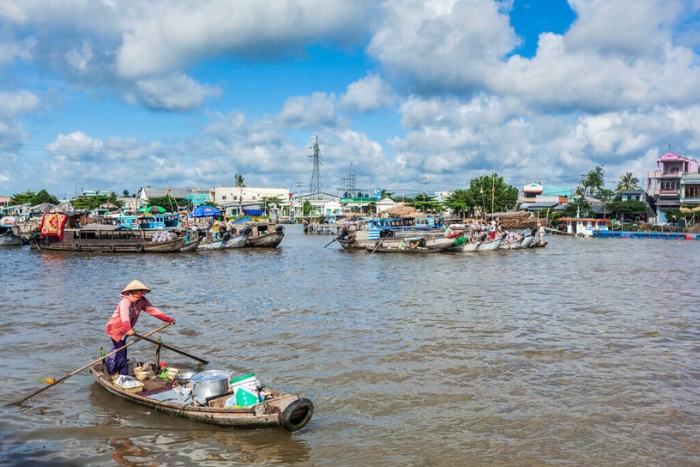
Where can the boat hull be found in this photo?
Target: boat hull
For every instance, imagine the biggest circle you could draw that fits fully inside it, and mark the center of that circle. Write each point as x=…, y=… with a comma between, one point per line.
x=471, y=246
x=271, y=413
x=265, y=241
x=490, y=246
x=9, y=239
x=107, y=246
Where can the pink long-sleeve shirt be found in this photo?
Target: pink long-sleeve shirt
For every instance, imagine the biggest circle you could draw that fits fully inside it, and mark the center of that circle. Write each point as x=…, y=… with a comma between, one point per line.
x=125, y=316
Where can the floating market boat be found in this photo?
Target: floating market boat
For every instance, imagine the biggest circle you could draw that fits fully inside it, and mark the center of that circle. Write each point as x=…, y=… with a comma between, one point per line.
x=228, y=241
x=262, y=234
x=178, y=398
x=105, y=239
x=10, y=239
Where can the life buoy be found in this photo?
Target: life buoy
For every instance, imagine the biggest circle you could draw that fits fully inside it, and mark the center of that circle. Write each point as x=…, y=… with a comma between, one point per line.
x=111, y=248
x=297, y=414
x=139, y=247
x=76, y=246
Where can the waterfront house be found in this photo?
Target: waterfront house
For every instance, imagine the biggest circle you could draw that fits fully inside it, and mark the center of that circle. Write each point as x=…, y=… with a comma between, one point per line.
x=664, y=185
x=584, y=227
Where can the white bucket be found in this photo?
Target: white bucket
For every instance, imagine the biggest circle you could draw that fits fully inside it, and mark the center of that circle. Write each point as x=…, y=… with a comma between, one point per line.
x=245, y=390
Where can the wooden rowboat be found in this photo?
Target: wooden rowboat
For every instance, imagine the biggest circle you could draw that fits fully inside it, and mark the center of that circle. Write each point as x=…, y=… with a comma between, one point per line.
x=279, y=409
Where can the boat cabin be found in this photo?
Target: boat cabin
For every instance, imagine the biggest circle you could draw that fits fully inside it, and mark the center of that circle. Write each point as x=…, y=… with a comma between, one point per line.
x=584, y=227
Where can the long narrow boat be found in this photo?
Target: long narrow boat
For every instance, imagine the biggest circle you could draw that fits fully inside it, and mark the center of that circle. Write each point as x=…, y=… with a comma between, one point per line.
x=191, y=245
x=278, y=409
x=491, y=245
x=10, y=239
x=527, y=241
x=234, y=241
x=263, y=236
x=472, y=246
x=417, y=250
x=106, y=239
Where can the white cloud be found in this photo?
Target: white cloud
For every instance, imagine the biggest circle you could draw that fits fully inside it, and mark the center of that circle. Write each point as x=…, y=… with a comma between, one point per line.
x=11, y=50
x=163, y=36
x=79, y=59
x=76, y=146
x=17, y=103
x=443, y=44
x=316, y=111
x=175, y=92
x=368, y=93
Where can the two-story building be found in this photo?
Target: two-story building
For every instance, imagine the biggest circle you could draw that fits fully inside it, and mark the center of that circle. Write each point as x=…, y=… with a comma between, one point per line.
x=674, y=181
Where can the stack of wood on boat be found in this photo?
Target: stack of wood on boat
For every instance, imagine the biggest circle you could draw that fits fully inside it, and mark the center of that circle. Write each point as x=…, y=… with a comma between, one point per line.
x=520, y=220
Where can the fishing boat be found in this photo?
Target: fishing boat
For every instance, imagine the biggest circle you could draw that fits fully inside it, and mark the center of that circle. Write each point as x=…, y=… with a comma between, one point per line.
x=10, y=239
x=262, y=234
x=105, y=239
x=408, y=250
x=527, y=241
x=491, y=245
x=228, y=241
x=190, y=245
x=472, y=246
x=177, y=398
x=367, y=233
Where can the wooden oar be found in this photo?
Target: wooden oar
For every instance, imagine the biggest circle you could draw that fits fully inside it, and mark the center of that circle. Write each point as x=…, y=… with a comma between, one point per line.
x=171, y=348
x=378, y=243
x=330, y=242
x=87, y=366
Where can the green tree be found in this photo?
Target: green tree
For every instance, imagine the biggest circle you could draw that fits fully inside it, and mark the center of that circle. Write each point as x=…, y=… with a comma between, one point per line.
x=425, y=203
x=386, y=194
x=22, y=198
x=240, y=183
x=458, y=202
x=43, y=197
x=627, y=182
x=306, y=208
x=593, y=180
x=489, y=193
x=273, y=201
x=125, y=194
x=578, y=207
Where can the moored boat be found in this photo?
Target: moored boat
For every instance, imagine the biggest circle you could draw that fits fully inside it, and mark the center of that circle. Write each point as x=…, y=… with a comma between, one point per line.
x=228, y=241
x=262, y=234
x=105, y=239
x=10, y=239
x=491, y=245
x=276, y=409
x=472, y=246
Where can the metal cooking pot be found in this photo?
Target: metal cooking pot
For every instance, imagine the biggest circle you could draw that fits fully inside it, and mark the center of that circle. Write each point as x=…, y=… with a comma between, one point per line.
x=210, y=383
x=184, y=377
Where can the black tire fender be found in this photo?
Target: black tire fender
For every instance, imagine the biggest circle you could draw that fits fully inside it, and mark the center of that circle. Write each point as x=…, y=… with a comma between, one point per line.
x=297, y=414
x=76, y=246
x=111, y=248
x=139, y=247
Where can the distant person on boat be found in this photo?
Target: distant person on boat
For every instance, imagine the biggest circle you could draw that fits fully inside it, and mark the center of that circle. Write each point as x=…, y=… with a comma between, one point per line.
x=540, y=232
x=121, y=325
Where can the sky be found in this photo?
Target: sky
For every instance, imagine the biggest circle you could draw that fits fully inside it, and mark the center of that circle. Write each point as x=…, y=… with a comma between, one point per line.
x=414, y=94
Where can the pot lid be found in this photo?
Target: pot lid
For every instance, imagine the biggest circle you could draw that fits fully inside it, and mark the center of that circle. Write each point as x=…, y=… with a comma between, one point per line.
x=209, y=375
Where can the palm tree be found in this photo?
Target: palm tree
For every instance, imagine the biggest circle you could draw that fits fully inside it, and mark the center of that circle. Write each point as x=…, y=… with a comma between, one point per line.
x=627, y=182
x=239, y=183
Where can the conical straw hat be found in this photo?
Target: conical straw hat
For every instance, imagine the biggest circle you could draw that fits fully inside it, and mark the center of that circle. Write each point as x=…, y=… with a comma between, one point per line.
x=135, y=285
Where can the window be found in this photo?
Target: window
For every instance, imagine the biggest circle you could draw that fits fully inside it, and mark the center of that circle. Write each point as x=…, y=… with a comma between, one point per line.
x=224, y=197
x=669, y=186
x=692, y=192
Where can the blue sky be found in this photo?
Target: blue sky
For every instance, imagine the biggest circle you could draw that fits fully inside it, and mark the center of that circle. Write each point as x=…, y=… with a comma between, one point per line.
x=116, y=95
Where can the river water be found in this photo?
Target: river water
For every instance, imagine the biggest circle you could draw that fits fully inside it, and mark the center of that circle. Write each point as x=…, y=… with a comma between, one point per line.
x=584, y=353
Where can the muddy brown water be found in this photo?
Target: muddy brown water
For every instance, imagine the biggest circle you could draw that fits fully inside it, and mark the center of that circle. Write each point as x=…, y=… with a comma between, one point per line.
x=582, y=353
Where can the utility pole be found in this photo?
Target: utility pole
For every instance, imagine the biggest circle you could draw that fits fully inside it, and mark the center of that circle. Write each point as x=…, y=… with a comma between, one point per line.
x=350, y=182
x=299, y=184
x=315, y=186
